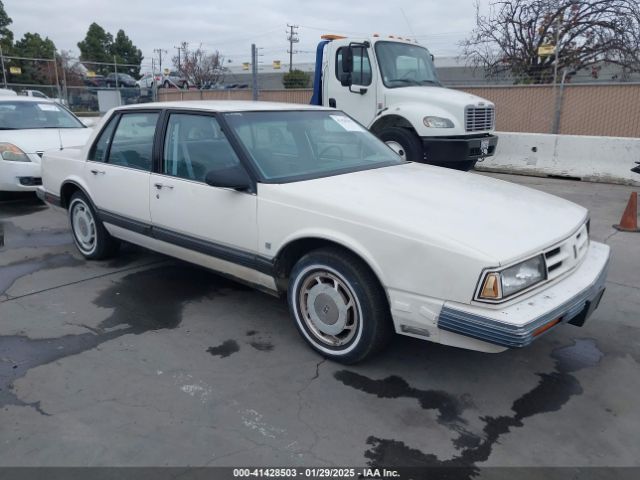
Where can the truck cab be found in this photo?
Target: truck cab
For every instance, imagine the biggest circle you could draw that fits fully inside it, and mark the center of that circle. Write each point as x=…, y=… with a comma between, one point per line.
x=390, y=86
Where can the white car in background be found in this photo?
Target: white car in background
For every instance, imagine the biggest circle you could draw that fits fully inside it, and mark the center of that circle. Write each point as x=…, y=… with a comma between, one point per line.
x=304, y=202
x=28, y=127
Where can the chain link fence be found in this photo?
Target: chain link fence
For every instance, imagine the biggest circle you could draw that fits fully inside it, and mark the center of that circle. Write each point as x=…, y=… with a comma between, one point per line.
x=73, y=82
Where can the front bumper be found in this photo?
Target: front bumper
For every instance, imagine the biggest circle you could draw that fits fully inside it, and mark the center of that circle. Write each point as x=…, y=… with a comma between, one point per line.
x=443, y=150
x=19, y=176
x=571, y=299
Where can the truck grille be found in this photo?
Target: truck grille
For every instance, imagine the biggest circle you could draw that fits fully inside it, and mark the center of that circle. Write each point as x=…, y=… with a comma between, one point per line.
x=479, y=119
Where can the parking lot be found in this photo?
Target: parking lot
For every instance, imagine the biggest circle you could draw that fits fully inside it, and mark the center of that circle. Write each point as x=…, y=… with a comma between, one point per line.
x=143, y=360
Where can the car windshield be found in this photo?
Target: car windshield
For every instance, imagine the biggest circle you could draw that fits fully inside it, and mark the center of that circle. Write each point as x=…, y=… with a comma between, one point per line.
x=300, y=145
x=23, y=115
x=402, y=65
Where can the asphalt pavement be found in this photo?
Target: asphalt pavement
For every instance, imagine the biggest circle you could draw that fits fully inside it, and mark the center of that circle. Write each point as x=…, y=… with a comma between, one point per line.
x=147, y=361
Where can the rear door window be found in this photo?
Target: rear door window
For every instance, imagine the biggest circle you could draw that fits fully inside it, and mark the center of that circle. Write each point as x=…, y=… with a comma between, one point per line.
x=132, y=144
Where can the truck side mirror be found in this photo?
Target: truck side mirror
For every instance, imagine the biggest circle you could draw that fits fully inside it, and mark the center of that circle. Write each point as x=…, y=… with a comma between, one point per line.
x=346, y=79
x=347, y=59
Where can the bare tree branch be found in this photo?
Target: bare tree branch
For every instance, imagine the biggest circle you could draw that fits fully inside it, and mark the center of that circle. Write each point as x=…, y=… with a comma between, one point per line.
x=588, y=32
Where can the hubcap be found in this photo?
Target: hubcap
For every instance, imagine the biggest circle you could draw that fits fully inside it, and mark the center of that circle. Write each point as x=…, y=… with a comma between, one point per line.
x=396, y=147
x=84, y=226
x=328, y=308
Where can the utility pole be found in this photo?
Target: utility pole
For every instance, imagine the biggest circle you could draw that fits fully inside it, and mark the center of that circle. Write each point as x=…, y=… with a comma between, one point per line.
x=159, y=51
x=292, y=36
x=254, y=70
x=179, y=63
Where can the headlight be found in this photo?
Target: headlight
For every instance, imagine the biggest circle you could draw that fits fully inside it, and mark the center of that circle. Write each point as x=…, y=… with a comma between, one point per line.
x=11, y=153
x=509, y=281
x=437, y=122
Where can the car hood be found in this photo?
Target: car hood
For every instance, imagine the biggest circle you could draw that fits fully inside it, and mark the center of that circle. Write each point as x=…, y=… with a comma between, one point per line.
x=42, y=139
x=444, y=98
x=498, y=221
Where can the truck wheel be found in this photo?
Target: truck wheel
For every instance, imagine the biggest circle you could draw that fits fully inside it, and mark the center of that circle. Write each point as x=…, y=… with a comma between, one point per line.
x=339, y=306
x=404, y=142
x=89, y=235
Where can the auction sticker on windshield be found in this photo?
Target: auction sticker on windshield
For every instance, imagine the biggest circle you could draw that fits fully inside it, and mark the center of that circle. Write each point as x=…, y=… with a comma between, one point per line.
x=346, y=123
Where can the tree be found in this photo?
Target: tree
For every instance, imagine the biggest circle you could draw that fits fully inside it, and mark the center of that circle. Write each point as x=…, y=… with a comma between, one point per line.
x=6, y=35
x=295, y=79
x=587, y=33
x=96, y=47
x=126, y=52
x=198, y=66
x=32, y=45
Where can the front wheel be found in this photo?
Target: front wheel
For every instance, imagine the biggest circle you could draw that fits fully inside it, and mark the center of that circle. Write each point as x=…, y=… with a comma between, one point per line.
x=404, y=142
x=89, y=235
x=339, y=306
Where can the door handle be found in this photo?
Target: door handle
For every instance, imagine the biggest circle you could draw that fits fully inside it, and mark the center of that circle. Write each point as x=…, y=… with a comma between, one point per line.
x=98, y=172
x=160, y=186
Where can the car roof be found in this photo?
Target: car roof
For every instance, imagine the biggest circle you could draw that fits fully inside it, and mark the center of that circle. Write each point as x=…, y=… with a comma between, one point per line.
x=24, y=98
x=225, y=106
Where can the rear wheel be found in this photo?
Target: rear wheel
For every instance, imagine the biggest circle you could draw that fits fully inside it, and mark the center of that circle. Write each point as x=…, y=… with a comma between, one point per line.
x=89, y=234
x=404, y=142
x=339, y=306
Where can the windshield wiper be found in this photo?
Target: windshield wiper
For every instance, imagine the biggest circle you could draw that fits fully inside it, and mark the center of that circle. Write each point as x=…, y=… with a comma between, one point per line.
x=405, y=80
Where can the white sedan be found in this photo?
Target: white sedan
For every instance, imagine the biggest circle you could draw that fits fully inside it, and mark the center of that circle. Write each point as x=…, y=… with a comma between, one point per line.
x=28, y=127
x=305, y=203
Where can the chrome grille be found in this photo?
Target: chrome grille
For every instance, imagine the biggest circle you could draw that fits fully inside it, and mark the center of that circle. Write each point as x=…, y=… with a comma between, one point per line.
x=479, y=119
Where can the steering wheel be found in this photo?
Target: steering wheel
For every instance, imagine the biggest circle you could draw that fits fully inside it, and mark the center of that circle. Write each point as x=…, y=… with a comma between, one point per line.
x=339, y=156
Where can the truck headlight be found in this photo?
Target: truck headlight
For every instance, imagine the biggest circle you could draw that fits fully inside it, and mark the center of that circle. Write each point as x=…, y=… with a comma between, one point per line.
x=511, y=280
x=437, y=122
x=11, y=153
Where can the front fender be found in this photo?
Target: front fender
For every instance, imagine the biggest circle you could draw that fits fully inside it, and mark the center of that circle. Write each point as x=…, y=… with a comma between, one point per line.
x=414, y=114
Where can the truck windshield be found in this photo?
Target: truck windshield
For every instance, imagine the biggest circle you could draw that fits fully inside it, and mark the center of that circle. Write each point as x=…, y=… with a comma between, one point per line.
x=403, y=65
x=288, y=146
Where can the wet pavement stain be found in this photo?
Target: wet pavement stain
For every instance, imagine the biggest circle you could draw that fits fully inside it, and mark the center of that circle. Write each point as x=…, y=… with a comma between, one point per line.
x=448, y=406
x=262, y=345
x=553, y=391
x=12, y=272
x=142, y=301
x=16, y=237
x=226, y=348
x=19, y=205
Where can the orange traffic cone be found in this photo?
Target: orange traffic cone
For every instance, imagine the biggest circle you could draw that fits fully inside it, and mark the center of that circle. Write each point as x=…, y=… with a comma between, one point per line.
x=629, y=220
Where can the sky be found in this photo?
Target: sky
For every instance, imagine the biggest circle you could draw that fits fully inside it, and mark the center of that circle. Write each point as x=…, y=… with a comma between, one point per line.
x=232, y=26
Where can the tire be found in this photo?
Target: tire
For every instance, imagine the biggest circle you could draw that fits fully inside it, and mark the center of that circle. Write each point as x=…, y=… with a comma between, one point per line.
x=91, y=238
x=404, y=142
x=350, y=317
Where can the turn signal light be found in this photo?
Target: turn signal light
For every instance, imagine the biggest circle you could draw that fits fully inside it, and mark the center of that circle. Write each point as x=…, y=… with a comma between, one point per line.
x=546, y=326
x=491, y=288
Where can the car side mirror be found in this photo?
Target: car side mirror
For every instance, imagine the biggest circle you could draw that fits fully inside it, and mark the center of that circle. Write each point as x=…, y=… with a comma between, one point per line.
x=234, y=177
